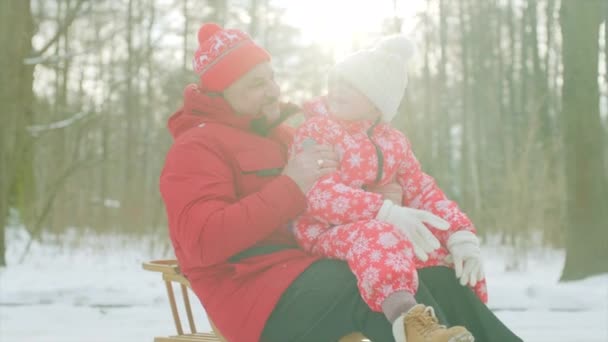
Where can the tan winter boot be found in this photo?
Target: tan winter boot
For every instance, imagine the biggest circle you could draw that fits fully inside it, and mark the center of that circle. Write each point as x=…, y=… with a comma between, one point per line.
x=420, y=325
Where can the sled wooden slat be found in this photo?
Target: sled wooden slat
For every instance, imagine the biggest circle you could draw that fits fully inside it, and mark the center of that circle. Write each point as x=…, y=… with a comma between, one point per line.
x=188, y=308
x=178, y=322
x=171, y=274
x=164, y=266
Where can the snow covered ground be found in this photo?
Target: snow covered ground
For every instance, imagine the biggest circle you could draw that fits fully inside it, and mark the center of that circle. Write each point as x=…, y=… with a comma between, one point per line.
x=99, y=292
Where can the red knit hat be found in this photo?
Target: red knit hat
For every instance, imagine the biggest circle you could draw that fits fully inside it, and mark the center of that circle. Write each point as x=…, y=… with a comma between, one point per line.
x=223, y=56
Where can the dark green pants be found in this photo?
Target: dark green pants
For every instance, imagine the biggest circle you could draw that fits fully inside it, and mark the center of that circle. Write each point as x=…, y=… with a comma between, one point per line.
x=323, y=304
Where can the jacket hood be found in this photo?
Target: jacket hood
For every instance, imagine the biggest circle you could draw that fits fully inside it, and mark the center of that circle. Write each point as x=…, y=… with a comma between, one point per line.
x=199, y=107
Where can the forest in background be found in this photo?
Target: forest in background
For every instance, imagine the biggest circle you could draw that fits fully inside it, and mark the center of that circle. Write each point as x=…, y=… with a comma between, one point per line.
x=507, y=107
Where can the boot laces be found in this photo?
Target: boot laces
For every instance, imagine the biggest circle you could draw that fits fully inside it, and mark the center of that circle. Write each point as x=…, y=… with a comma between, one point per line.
x=428, y=321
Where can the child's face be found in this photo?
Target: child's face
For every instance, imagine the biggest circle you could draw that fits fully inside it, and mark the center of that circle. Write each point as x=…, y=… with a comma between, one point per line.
x=347, y=103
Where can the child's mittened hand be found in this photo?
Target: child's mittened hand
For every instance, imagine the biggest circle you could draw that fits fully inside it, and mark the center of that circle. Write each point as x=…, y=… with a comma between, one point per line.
x=411, y=223
x=466, y=255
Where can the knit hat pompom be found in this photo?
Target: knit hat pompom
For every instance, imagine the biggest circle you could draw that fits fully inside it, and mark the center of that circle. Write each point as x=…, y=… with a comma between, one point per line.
x=397, y=44
x=206, y=31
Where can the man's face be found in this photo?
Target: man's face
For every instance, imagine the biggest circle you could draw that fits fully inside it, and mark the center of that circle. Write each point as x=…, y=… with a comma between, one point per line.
x=347, y=103
x=255, y=94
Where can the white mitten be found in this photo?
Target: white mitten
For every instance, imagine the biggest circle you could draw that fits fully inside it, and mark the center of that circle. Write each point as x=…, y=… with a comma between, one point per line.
x=411, y=223
x=464, y=249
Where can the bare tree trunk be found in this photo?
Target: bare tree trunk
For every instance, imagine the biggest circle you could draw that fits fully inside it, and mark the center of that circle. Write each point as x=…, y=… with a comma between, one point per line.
x=465, y=158
x=606, y=77
x=148, y=200
x=16, y=110
x=71, y=205
x=513, y=99
x=482, y=113
x=428, y=148
x=587, y=181
x=549, y=27
x=606, y=74
x=444, y=122
x=511, y=108
x=253, y=14
x=523, y=112
x=469, y=175
x=131, y=115
x=185, y=34
x=500, y=86
x=220, y=10
x=541, y=96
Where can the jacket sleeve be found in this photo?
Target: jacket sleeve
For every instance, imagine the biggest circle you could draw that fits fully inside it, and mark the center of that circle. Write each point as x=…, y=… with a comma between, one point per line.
x=334, y=198
x=206, y=218
x=420, y=191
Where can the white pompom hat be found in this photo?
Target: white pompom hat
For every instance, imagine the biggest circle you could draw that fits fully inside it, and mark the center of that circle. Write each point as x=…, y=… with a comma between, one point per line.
x=379, y=73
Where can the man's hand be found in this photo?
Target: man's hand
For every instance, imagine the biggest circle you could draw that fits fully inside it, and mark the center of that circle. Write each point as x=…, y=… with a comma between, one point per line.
x=310, y=164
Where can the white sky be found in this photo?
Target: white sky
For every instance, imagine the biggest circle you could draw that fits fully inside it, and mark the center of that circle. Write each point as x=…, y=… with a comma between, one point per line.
x=338, y=23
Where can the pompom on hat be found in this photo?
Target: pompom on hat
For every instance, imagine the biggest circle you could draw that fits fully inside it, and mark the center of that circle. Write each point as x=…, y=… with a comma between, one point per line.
x=379, y=73
x=224, y=55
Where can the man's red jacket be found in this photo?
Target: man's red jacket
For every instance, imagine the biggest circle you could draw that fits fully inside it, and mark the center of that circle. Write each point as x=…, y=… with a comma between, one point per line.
x=224, y=193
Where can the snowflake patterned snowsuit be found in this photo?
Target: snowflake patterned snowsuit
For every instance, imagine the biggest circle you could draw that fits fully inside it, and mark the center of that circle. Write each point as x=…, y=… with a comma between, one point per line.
x=340, y=219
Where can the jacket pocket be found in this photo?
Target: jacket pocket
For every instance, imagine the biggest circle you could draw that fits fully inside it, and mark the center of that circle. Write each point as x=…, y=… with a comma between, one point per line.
x=260, y=163
x=256, y=168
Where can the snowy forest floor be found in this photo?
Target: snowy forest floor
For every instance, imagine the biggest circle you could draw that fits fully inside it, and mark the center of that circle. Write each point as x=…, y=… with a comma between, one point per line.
x=92, y=288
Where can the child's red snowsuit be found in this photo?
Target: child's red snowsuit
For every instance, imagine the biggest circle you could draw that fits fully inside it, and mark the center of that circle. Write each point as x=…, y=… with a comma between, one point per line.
x=340, y=219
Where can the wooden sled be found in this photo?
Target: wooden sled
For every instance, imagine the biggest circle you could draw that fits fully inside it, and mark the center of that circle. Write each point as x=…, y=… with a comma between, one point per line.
x=171, y=274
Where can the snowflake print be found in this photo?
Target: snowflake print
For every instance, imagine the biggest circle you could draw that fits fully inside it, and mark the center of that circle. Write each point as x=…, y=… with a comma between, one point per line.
x=397, y=262
x=384, y=143
x=375, y=256
x=370, y=275
x=387, y=290
x=390, y=160
x=353, y=235
x=355, y=160
x=313, y=231
x=388, y=239
x=349, y=142
x=353, y=216
x=319, y=199
x=357, y=184
x=361, y=246
x=409, y=253
x=340, y=205
x=341, y=188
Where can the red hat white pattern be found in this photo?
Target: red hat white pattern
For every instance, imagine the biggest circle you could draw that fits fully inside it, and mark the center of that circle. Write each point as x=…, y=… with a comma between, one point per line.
x=224, y=55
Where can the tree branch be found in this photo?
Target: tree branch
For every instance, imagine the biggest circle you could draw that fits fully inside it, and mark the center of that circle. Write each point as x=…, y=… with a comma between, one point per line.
x=69, y=19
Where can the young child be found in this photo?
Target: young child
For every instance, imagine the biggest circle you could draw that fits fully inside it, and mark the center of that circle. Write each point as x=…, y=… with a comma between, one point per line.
x=384, y=243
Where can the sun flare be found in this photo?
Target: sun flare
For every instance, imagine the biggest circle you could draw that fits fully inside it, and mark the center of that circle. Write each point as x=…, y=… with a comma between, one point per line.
x=343, y=25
